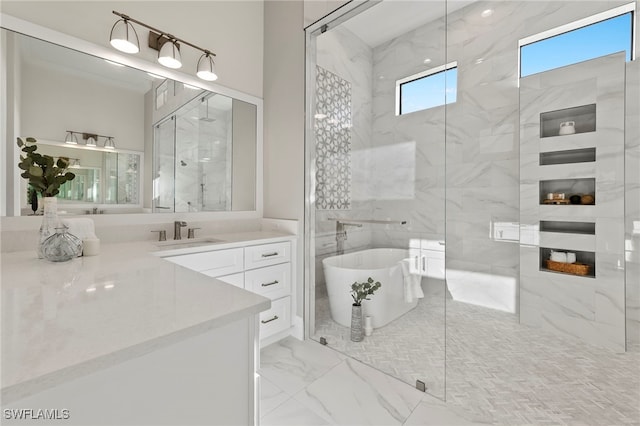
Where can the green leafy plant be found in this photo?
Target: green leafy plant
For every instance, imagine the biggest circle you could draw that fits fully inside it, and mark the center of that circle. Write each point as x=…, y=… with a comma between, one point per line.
x=44, y=174
x=360, y=291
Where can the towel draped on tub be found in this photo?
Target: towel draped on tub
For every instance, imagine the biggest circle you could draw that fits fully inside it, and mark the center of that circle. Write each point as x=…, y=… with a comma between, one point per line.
x=412, y=287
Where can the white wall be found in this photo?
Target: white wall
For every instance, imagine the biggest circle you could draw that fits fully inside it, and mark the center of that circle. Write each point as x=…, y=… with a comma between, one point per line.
x=231, y=29
x=284, y=118
x=89, y=107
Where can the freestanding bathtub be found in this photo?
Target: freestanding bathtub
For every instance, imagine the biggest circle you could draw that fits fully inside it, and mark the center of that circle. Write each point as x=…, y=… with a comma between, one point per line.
x=382, y=264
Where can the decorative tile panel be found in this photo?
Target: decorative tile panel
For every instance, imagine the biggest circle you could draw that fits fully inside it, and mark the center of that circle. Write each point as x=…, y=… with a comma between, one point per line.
x=333, y=141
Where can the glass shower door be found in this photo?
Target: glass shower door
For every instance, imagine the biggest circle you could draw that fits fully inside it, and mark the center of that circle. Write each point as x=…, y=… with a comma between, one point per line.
x=376, y=179
x=164, y=166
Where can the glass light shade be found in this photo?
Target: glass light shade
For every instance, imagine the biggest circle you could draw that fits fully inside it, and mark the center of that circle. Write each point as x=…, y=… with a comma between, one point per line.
x=91, y=141
x=109, y=144
x=169, y=55
x=124, y=37
x=206, y=68
x=71, y=139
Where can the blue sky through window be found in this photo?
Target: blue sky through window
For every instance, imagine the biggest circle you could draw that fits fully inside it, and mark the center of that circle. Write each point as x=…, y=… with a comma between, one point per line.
x=429, y=91
x=599, y=39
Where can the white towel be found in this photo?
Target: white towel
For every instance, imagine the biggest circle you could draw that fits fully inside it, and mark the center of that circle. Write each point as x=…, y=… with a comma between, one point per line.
x=82, y=228
x=412, y=288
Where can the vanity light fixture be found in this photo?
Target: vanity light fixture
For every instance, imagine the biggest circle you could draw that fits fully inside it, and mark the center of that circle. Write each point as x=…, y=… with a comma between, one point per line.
x=206, y=67
x=71, y=138
x=90, y=138
x=124, y=37
x=108, y=143
x=169, y=55
x=167, y=45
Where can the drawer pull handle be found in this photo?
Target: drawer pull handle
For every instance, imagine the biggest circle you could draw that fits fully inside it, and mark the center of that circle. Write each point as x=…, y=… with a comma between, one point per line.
x=275, y=317
x=275, y=253
x=268, y=284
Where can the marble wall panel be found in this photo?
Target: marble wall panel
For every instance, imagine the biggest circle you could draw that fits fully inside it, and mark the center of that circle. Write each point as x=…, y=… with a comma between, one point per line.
x=549, y=300
x=632, y=201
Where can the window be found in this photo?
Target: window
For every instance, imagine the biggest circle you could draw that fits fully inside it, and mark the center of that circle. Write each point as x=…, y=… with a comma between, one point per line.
x=428, y=89
x=599, y=35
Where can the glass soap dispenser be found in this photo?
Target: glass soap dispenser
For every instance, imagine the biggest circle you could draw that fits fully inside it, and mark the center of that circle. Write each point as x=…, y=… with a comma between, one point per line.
x=61, y=246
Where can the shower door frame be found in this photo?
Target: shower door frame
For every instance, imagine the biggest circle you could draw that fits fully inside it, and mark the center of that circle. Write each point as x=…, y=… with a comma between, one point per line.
x=331, y=20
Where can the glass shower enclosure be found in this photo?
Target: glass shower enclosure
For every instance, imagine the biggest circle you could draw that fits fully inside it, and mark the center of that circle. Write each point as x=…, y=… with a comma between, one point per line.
x=192, y=162
x=376, y=189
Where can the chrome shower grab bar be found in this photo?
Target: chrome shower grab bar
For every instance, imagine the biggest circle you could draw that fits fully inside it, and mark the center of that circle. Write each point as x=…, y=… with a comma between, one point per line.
x=373, y=221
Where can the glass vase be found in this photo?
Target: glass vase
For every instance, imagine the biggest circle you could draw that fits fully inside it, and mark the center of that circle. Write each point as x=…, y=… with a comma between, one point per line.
x=49, y=222
x=61, y=246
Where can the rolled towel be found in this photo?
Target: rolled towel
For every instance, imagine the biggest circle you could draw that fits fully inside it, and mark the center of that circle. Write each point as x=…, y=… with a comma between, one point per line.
x=558, y=256
x=412, y=288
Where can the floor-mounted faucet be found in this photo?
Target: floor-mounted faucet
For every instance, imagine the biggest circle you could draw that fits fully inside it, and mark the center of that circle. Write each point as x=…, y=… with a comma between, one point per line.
x=341, y=235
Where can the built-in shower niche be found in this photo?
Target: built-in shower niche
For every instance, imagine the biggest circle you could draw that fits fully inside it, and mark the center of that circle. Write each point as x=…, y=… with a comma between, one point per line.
x=583, y=117
x=582, y=257
x=571, y=156
x=564, y=227
x=568, y=187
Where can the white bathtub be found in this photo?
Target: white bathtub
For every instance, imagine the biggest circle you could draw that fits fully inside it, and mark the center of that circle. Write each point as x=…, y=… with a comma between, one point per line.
x=382, y=265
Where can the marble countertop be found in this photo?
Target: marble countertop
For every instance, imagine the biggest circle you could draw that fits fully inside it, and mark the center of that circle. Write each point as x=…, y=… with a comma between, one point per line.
x=64, y=320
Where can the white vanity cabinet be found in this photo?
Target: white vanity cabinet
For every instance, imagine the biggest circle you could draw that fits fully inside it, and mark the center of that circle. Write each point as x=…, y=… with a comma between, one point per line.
x=265, y=269
x=427, y=258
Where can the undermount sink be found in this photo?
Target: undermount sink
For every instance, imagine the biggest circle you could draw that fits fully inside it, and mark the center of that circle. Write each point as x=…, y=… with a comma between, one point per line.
x=188, y=243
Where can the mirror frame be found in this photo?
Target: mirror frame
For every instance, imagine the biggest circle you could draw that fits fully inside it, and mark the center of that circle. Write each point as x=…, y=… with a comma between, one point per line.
x=11, y=197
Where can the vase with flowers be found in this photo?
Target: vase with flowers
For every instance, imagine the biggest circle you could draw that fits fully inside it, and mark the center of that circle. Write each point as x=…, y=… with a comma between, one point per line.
x=360, y=292
x=45, y=175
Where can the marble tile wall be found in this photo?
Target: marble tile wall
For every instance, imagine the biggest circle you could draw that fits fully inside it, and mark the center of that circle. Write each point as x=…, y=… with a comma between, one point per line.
x=479, y=142
x=589, y=308
x=480, y=135
x=632, y=201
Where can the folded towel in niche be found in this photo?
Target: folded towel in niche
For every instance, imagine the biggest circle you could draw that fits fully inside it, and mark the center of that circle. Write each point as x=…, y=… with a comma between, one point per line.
x=412, y=288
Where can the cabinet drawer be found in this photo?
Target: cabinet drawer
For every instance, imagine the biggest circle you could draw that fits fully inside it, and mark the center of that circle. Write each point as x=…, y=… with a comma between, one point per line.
x=276, y=319
x=266, y=254
x=272, y=281
x=213, y=263
x=234, y=279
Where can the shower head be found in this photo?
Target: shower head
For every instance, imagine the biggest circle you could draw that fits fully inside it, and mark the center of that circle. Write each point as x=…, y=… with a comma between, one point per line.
x=206, y=117
x=182, y=163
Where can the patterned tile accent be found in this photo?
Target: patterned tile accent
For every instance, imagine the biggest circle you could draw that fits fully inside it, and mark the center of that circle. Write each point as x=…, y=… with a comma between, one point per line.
x=333, y=141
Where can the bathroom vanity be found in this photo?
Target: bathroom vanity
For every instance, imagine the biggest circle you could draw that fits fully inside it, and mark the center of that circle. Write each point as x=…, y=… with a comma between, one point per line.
x=128, y=337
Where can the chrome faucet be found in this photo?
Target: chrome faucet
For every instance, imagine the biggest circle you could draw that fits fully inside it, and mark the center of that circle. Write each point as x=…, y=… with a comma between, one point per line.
x=176, y=229
x=341, y=234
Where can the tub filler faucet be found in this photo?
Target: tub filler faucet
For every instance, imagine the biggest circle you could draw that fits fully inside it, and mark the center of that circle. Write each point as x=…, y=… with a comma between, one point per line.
x=341, y=234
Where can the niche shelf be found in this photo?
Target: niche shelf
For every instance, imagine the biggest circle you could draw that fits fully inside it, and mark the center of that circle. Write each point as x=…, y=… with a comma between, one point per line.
x=582, y=257
x=584, y=117
x=584, y=228
x=571, y=156
x=580, y=186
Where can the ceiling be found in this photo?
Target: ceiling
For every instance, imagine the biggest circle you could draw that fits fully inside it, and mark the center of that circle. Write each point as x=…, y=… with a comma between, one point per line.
x=392, y=18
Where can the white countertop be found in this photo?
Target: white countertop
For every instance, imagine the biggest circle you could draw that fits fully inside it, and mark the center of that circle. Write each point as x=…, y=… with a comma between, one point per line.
x=64, y=320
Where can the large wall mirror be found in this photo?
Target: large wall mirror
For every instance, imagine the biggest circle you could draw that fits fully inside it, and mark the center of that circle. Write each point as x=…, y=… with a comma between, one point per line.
x=178, y=147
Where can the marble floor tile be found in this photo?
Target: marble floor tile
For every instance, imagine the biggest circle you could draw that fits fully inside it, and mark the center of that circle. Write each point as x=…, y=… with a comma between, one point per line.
x=355, y=394
x=291, y=364
x=433, y=412
x=292, y=413
x=271, y=396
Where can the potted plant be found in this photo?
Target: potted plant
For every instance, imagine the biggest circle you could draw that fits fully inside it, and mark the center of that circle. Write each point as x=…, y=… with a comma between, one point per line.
x=45, y=175
x=360, y=292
